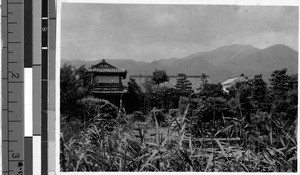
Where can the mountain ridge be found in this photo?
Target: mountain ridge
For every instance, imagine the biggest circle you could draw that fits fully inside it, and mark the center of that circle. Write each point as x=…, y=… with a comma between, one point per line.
x=219, y=63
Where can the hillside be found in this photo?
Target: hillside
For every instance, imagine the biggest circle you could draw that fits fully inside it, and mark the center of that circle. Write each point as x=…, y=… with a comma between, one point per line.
x=250, y=60
x=219, y=64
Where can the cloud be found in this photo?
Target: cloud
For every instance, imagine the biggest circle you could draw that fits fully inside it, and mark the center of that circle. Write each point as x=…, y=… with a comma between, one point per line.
x=150, y=32
x=163, y=19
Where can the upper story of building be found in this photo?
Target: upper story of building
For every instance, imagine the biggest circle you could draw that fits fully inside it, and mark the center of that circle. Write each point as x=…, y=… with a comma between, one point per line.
x=106, y=77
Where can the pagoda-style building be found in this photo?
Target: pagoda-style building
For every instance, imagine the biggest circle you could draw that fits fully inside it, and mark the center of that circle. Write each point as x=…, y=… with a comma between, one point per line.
x=107, y=80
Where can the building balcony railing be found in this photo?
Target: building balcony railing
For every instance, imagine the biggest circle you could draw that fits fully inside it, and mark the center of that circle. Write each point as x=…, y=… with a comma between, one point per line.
x=102, y=87
x=107, y=85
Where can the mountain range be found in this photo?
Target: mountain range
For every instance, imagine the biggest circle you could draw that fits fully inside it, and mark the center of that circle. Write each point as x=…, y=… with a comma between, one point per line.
x=218, y=64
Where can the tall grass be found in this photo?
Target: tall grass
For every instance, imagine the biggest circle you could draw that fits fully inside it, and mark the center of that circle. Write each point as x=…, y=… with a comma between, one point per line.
x=267, y=145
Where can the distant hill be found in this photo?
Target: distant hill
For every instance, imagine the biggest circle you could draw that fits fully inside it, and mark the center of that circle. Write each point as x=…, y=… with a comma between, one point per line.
x=251, y=61
x=219, y=64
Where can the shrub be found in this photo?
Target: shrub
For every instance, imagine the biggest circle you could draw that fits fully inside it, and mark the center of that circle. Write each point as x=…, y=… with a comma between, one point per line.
x=174, y=113
x=122, y=117
x=213, y=108
x=138, y=116
x=160, y=117
x=162, y=97
x=134, y=97
x=70, y=128
x=183, y=102
x=93, y=108
x=159, y=76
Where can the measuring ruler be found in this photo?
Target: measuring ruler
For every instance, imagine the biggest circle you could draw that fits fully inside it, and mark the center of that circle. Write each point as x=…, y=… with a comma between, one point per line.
x=12, y=87
x=27, y=117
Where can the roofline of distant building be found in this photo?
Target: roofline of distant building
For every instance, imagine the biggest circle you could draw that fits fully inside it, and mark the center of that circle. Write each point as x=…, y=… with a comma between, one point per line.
x=242, y=74
x=170, y=76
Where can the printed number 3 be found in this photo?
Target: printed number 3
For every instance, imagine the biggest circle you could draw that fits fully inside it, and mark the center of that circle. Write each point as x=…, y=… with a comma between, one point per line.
x=15, y=155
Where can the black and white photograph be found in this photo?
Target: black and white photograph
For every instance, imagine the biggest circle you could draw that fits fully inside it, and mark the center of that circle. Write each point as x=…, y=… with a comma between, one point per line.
x=178, y=87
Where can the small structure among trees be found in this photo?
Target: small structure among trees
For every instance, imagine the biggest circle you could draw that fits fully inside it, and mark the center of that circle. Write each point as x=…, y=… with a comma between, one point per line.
x=232, y=81
x=107, y=82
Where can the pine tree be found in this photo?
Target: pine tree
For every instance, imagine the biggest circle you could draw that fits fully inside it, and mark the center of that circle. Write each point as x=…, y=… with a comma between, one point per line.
x=136, y=95
x=259, y=92
x=203, y=81
x=280, y=83
x=85, y=80
x=284, y=94
x=183, y=85
x=211, y=90
x=70, y=90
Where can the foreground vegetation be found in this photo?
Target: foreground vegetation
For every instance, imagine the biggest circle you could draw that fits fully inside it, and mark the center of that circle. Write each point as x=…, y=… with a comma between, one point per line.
x=252, y=128
x=136, y=147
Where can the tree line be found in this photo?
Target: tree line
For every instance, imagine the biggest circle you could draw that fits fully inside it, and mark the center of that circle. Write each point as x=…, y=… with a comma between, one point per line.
x=279, y=97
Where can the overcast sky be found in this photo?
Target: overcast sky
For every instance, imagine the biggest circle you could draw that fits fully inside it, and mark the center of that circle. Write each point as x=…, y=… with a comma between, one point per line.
x=152, y=32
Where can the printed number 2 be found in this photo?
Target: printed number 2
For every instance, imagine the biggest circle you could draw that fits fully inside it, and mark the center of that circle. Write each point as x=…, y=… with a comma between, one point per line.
x=15, y=75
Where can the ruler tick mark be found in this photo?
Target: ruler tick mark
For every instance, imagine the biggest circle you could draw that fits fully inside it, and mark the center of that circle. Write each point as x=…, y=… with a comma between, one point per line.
x=12, y=101
x=13, y=22
x=16, y=160
x=12, y=140
x=15, y=82
x=9, y=140
x=14, y=42
x=15, y=3
x=15, y=121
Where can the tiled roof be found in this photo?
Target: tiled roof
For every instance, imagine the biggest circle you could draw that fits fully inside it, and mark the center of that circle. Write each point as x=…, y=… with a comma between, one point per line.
x=103, y=66
x=230, y=80
x=106, y=70
x=233, y=79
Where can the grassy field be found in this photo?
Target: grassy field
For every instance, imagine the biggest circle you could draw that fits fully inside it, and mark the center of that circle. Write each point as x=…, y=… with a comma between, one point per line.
x=144, y=146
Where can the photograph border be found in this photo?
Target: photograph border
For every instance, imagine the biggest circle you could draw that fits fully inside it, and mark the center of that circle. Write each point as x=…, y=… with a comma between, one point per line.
x=167, y=2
